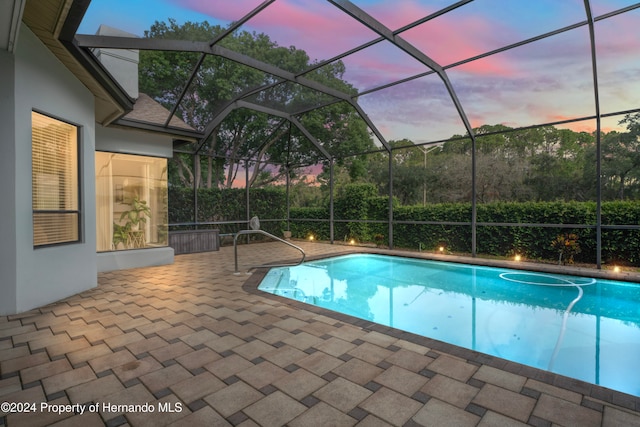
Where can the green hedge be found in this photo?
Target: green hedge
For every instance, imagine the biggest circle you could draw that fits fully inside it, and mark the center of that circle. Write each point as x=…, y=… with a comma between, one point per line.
x=302, y=229
x=455, y=238
x=351, y=202
x=621, y=246
x=618, y=246
x=360, y=201
x=533, y=242
x=229, y=205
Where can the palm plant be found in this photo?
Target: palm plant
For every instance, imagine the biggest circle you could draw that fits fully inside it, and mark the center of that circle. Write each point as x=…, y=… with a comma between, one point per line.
x=138, y=213
x=120, y=234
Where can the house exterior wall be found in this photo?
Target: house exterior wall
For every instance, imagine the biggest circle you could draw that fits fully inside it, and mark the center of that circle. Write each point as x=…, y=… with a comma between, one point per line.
x=8, y=235
x=47, y=274
x=126, y=141
x=32, y=78
x=117, y=140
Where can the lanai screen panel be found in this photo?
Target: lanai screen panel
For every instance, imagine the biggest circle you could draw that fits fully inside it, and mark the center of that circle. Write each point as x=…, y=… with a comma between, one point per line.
x=546, y=81
x=621, y=162
x=217, y=84
x=379, y=65
x=398, y=14
x=618, y=44
x=601, y=7
x=419, y=110
x=612, y=123
x=166, y=87
x=315, y=27
x=295, y=149
x=483, y=26
x=290, y=97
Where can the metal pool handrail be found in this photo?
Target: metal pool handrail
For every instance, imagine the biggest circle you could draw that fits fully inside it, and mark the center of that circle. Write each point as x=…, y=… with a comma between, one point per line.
x=235, y=249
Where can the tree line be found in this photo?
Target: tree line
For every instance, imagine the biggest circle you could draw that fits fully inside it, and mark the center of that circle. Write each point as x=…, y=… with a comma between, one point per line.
x=534, y=164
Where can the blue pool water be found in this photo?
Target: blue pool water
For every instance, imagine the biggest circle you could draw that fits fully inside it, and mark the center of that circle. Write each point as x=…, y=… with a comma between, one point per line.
x=579, y=327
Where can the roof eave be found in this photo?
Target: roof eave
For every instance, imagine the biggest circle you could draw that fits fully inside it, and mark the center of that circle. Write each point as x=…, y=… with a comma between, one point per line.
x=190, y=135
x=55, y=22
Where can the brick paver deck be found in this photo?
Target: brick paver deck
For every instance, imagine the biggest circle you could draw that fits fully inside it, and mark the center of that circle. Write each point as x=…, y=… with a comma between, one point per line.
x=193, y=344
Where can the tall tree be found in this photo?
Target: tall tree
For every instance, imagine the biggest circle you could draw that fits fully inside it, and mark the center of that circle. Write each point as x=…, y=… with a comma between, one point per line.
x=245, y=134
x=543, y=163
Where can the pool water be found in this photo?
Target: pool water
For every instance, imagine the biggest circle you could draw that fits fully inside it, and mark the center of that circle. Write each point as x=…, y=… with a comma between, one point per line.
x=579, y=327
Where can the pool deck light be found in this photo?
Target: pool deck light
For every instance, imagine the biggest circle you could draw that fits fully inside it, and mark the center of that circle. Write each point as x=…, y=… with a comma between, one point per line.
x=517, y=258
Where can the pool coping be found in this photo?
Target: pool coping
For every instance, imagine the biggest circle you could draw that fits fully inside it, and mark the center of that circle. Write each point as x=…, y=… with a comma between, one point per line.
x=471, y=356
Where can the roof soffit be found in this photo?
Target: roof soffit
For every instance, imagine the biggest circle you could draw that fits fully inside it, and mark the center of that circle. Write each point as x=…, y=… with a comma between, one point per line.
x=46, y=19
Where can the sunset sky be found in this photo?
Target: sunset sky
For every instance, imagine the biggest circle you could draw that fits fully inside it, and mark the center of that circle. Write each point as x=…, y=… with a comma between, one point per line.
x=545, y=81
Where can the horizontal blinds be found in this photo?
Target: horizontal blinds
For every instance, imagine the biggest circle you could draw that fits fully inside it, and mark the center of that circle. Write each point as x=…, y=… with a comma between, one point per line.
x=54, y=148
x=50, y=228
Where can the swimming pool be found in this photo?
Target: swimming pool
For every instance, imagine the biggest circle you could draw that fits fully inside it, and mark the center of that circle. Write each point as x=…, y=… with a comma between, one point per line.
x=579, y=327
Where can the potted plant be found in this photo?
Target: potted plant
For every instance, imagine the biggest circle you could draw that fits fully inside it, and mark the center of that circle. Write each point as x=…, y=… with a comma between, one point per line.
x=138, y=213
x=121, y=234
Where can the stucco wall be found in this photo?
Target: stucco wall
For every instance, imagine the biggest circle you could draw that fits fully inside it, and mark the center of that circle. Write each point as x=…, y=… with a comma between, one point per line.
x=7, y=189
x=118, y=140
x=42, y=83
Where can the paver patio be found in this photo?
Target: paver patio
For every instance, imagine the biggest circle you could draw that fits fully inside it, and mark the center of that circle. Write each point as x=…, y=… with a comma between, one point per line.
x=199, y=345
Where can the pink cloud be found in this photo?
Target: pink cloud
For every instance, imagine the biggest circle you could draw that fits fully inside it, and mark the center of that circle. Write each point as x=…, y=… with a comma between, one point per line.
x=225, y=11
x=586, y=126
x=304, y=24
x=477, y=122
x=489, y=66
x=618, y=35
x=519, y=87
x=438, y=40
x=441, y=38
x=401, y=14
x=308, y=25
x=380, y=64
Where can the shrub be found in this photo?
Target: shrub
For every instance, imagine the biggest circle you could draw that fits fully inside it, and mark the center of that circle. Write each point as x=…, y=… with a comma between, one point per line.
x=360, y=201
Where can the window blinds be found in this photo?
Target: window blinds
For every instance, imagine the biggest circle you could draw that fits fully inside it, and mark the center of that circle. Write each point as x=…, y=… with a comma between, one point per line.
x=54, y=181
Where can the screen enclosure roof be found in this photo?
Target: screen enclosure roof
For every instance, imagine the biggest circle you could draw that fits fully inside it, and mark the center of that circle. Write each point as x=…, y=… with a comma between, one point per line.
x=415, y=71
